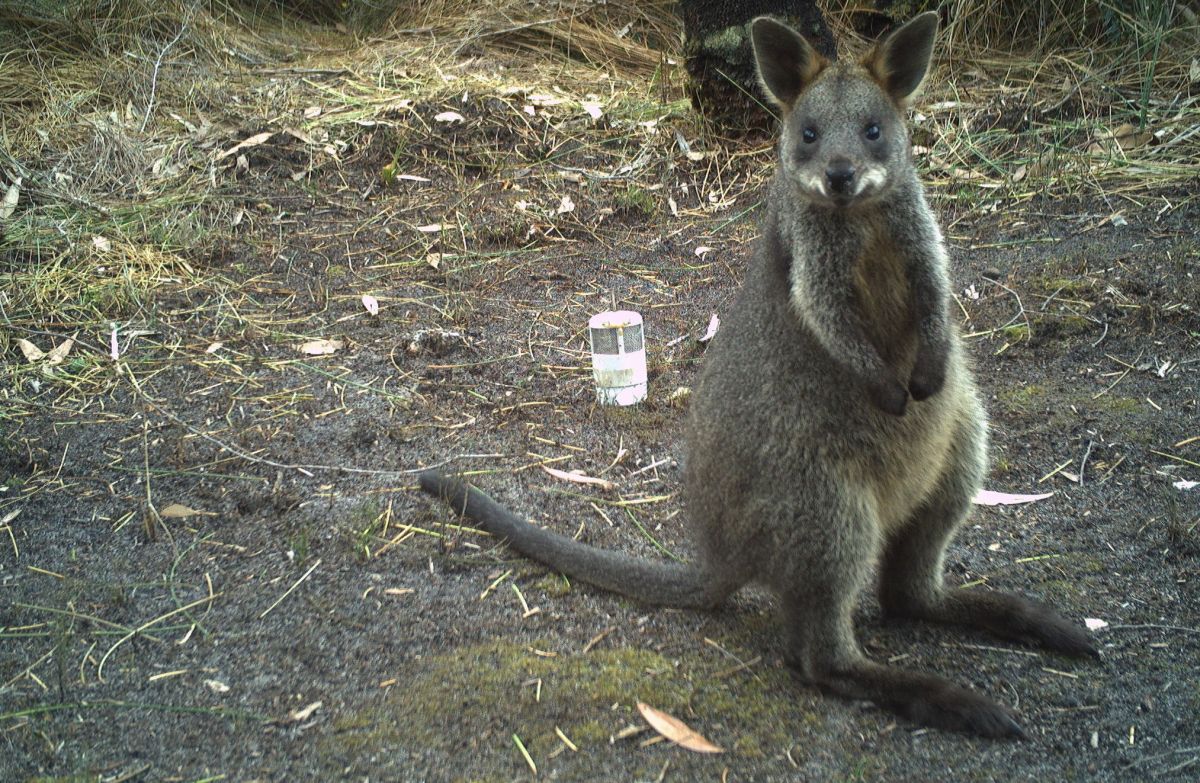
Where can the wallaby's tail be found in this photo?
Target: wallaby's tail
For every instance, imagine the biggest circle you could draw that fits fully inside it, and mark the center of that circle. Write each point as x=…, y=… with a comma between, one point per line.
x=648, y=581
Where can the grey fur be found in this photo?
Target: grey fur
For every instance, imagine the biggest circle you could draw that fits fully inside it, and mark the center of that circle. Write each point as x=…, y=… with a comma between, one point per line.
x=836, y=424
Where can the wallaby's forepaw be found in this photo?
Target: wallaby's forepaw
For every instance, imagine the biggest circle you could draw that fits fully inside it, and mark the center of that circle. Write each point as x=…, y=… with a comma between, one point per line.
x=889, y=396
x=928, y=375
x=958, y=709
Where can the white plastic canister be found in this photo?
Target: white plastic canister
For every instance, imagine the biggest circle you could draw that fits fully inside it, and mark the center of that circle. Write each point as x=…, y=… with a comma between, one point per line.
x=618, y=357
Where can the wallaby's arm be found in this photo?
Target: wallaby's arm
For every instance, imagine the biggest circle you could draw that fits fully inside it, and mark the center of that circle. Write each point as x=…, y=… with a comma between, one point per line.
x=929, y=293
x=648, y=581
x=823, y=295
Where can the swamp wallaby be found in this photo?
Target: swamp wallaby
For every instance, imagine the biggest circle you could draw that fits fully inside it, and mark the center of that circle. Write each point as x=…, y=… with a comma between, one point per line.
x=836, y=425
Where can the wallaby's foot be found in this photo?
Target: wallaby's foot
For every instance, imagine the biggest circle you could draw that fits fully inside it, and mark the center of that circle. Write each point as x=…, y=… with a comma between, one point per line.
x=889, y=396
x=959, y=709
x=922, y=698
x=1004, y=614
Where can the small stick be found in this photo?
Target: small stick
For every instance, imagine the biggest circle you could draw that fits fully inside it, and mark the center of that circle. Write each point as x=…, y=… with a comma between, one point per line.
x=1083, y=462
x=288, y=592
x=521, y=747
x=144, y=626
x=1053, y=472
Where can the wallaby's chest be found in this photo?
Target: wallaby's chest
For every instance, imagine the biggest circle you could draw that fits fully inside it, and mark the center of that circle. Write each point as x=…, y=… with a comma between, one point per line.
x=881, y=284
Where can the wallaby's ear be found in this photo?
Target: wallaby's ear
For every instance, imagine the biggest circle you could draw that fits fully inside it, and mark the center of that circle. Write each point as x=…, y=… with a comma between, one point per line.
x=785, y=62
x=899, y=62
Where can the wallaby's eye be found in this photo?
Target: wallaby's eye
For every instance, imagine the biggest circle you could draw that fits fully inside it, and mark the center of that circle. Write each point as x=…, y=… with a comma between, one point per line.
x=872, y=132
x=809, y=135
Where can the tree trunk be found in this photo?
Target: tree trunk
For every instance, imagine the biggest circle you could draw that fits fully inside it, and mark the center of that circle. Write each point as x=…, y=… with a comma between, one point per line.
x=720, y=62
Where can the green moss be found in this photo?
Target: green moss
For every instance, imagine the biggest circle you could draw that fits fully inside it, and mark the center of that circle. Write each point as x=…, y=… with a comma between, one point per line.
x=1021, y=398
x=1116, y=404
x=748, y=745
x=440, y=701
x=589, y=733
x=1051, y=284
x=554, y=585
x=1064, y=590
x=635, y=200
x=1016, y=332
x=644, y=417
x=450, y=692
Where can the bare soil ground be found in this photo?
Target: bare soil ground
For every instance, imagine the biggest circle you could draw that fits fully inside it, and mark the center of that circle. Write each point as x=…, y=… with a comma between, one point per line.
x=214, y=564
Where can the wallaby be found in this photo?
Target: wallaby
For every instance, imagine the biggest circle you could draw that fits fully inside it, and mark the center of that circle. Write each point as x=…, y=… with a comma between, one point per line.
x=836, y=424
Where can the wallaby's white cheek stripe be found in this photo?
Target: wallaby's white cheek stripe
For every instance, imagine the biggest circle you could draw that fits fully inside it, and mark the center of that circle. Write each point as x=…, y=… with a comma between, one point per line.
x=816, y=184
x=873, y=179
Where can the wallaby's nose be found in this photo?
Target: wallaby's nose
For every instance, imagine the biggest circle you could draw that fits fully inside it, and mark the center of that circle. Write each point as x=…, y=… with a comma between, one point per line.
x=839, y=174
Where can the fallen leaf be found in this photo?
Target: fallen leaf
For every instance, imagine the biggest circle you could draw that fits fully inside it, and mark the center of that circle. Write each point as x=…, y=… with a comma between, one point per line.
x=216, y=686
x=593, y=109
x=412, y=178
x=676, y=730
x=986, y=497
x=371, y=303
x=579, y=478
x=9, y=205
x=31, y=351
x=702, y=250
x=300, y=136
x=214, y=347
x=1128, y=136
x=449, y=116
x=303, y=713
x=680, y=396
x=714, y=324
x=101, y=243
x=180, y=511
x=253, y=141
x=1185, y=484
x=1094, y=623
x=321, y=347
x=432, y=228
x=59, y=352
x=566, y=205
x=434, y=260
x=311, y=112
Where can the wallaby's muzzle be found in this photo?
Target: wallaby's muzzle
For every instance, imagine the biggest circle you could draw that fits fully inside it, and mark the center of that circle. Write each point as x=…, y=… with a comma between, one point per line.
x=839, y=177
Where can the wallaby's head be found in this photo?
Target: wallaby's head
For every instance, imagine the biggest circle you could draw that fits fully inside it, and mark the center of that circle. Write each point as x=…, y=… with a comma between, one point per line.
x=844, y=139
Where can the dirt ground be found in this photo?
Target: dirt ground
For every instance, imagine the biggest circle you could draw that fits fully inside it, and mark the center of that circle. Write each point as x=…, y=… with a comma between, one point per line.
x=217, y=566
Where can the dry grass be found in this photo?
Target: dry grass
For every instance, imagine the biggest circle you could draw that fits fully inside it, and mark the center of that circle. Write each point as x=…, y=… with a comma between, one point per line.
x=115, y=126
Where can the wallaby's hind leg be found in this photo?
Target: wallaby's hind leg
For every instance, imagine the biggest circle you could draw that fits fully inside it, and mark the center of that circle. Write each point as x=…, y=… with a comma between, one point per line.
x=821, y=646
x=911, y=571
